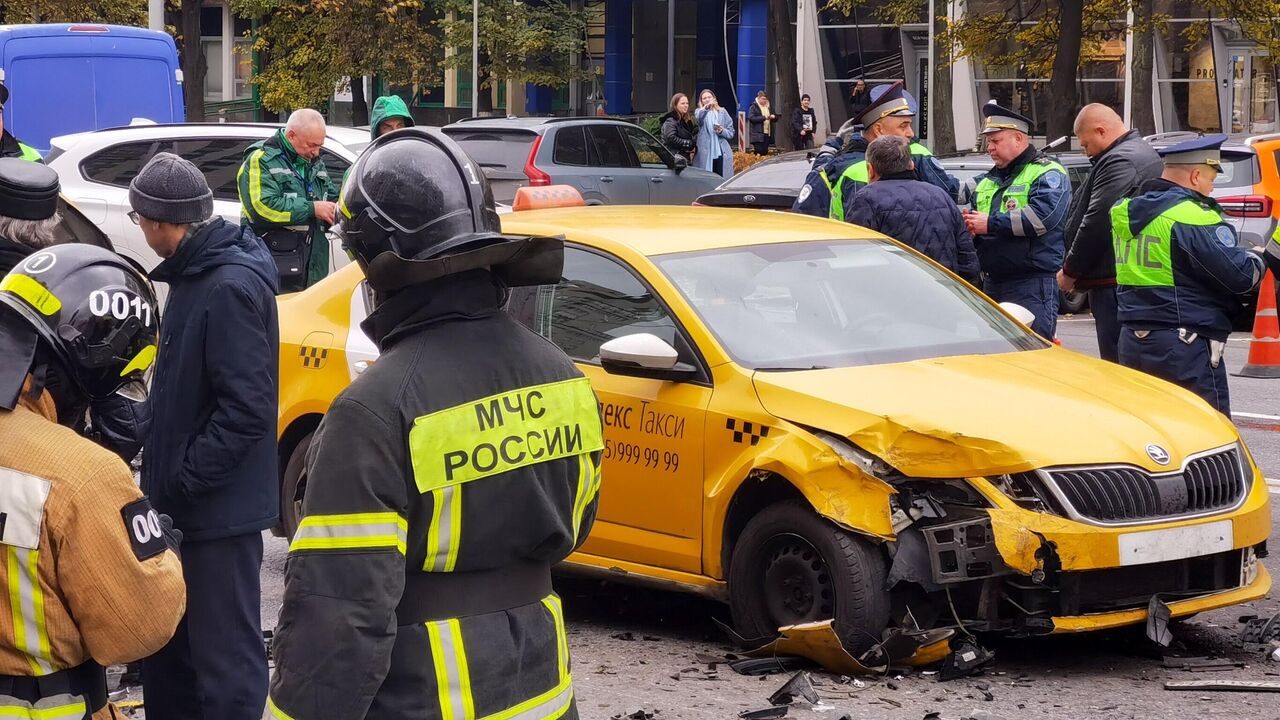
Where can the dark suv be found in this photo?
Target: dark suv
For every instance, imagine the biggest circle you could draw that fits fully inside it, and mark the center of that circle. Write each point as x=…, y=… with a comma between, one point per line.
x=611, y=162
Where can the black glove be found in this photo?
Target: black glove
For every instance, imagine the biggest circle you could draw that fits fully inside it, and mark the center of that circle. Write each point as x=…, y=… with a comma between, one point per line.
x=172, y=535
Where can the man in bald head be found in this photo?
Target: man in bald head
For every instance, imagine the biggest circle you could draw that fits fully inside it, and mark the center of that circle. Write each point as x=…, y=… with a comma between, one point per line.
x=1121, y=161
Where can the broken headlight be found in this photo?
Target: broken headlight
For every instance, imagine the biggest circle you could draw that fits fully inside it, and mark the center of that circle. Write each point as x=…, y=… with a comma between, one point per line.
x=1027, y=491
x=850, y=453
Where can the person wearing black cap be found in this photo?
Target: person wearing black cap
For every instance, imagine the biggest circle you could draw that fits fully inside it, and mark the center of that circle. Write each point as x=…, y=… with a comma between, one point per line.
x=448, y=478
x=10, y=146
x=1180, y=272
x=210, y=459
x=1018, y=216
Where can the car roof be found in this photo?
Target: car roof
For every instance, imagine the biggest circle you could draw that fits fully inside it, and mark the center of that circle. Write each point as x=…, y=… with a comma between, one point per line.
x=662, y=229
x=342, y=135
x=525, y=124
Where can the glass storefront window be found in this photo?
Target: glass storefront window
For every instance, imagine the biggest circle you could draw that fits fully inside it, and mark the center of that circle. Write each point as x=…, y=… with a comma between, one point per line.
x=1028, y=98
x=870, y=12
x=873, y=53
x=1186, y=78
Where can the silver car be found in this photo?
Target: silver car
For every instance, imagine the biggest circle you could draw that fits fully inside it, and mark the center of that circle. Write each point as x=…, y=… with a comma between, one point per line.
x=611, y=162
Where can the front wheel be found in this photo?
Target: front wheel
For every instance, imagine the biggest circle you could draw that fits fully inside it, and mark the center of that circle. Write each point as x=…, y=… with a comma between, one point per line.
x=1072, y=303
x=294, y=486
x=791, y=566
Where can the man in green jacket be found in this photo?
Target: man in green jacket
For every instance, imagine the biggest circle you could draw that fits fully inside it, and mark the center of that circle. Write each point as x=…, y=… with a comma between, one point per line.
x=283, y=185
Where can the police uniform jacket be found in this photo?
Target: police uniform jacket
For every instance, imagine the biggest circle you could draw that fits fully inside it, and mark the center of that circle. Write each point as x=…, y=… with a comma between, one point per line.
x=89, y=576
x=1025, y=217
x=856, y=176
x=442, y=485
x=1177, y=261
x=835, y=157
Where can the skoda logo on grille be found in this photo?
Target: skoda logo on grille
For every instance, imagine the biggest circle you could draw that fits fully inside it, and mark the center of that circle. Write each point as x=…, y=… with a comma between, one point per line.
x=1158, y=454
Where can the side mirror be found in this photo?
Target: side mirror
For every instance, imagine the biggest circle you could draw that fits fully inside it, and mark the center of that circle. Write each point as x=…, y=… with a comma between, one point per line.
x=1019, y=313
x=646, y=356
x=679, y=164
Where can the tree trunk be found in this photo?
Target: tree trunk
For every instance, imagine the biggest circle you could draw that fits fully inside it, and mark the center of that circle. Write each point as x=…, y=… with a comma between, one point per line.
x=1063, y=94
x=359, y=105
x=1144, y=114
x=942, y=134
x=193, y=64
x=784, y=45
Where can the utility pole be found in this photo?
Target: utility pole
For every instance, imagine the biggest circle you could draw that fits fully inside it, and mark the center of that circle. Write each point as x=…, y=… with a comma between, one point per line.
x=475, y=57
x=155, y=14
x=929, y=80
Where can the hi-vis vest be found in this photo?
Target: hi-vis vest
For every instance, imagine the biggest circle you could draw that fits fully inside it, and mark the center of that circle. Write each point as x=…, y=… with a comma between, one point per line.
x=857, y=172
x=1146, y=260
x=1016, y=195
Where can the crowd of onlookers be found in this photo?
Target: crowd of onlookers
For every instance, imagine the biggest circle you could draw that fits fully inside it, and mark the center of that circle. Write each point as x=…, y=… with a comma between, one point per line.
x=703, y=135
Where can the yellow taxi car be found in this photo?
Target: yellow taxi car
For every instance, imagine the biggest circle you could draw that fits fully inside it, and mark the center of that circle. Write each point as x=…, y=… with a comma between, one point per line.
x=810, y=421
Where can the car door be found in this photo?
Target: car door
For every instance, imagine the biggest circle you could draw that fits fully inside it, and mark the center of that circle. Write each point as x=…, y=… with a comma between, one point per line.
x=666, y=186
x=620, y=180
x=652, y=487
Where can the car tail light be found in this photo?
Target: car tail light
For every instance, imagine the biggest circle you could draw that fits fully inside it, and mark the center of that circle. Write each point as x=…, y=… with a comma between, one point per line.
x=89, y=29
x=537, y=178
x=1246, y=206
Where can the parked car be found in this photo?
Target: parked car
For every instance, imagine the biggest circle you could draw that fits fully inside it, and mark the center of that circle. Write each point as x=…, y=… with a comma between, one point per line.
x=610, y=162
x=769, y=185
x=95, y=169
x=65, y=78
x=782, y=431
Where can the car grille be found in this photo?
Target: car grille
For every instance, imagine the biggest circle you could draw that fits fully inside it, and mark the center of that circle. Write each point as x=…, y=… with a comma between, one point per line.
x=1119, y=495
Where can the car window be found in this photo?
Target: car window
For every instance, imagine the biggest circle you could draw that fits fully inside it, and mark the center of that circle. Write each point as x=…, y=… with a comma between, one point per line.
x=1236, y=173
x=218, y=158
x=335, y=164
x=782, y=175
x=596, y=300
x=493, y=150
x=649, y=151
x=837, y=303
x=571, y=146
x=118, y=164
x=609, y=149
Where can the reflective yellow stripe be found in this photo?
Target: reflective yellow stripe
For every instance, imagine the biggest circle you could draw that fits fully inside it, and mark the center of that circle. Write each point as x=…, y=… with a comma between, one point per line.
x=36, y=295
x=26, y=601
x=255, y=190
x=67, y=711
x=552, y=603
x=141, y=361
x=550, y=705
x=275, y=711
x=351, y=532
x=586, y=478
x=503, y=432
x=453, y=678
x=445, y=533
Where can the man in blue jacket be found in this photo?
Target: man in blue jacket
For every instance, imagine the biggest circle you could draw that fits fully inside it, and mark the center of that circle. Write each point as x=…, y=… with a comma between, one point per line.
x=210, y=459
x=1018, y=216
x=1179, y=272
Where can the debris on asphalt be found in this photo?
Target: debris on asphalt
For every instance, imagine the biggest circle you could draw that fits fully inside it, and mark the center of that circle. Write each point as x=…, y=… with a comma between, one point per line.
x=640, y=714
x=769, y=665
x=799, y=685
x=1224, y=685
x=967, y=659
x=1274, y=654
x=1158, y=616
x=768, y=713
x=887, y=701
x=985, y=689
x=1261, y=630
x=1201, y=664
x=977, y=714
x=628, y=636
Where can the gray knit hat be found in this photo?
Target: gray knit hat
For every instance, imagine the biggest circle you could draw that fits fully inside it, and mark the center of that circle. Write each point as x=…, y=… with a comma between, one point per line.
x=170, y=189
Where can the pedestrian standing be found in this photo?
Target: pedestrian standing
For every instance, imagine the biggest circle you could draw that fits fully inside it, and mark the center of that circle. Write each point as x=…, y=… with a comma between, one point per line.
x=804, y=124
x=1121, y=162
x=286, y=196
x=761, y=121
x=1180, y=272
x=859, y=99
x=678, y=131
x=912, y=212
x=447, y=479
x=1018, y=218
x=210, y=459
x=715, y=130
x=93, y=579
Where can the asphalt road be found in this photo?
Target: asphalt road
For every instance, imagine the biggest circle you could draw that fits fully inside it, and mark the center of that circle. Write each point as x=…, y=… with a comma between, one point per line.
x=628, y=643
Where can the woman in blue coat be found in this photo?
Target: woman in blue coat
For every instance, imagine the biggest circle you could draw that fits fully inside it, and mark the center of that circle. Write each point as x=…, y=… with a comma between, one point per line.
x=715, y=130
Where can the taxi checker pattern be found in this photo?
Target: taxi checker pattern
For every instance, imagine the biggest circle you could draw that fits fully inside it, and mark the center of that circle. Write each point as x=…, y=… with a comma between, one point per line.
x=744, y=432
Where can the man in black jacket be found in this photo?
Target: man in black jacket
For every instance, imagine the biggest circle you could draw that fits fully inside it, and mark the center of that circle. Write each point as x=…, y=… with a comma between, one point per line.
x=210, y=459
x=804, y=124
x=1121, y=162
x=912, y=212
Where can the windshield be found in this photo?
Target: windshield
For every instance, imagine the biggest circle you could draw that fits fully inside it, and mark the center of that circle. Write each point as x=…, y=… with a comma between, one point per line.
x=799, y=306
x=785, y=174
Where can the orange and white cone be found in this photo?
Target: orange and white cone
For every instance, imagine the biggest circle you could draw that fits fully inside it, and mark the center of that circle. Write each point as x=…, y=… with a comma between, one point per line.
x=1264, y=350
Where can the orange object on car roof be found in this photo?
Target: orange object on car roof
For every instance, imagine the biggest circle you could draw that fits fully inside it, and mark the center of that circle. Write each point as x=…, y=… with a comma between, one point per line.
x=549, y=196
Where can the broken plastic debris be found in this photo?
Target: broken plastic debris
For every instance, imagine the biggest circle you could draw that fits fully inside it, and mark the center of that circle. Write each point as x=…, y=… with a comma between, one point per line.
x=1261, y=630
x=799, y=686
x=1224, y=685
x=819, y=642
x=1158, y=615
x=765, y=713
x=967, y=659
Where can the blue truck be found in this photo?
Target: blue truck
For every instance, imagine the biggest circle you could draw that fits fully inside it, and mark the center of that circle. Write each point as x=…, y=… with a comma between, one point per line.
x=68, y=78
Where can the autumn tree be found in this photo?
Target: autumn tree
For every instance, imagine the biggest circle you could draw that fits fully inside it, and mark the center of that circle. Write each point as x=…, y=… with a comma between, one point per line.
x=784, y=44
x=115, y=12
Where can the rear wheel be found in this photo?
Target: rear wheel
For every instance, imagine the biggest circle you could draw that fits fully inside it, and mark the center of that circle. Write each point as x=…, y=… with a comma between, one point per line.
x=294, y=486
x=1072, y=303
x=791, y=566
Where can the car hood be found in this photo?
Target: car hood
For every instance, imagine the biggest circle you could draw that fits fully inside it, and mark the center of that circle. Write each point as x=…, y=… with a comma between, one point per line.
x=977, y=415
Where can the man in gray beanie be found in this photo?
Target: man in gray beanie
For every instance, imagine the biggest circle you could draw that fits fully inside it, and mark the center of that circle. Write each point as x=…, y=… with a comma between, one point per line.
x=209, y=461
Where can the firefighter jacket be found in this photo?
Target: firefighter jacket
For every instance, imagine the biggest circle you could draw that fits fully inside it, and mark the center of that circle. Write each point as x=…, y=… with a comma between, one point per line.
x=277, y=187
x=442, y=485
x=88, y=575
x=1026, y=205
x=1178, y=264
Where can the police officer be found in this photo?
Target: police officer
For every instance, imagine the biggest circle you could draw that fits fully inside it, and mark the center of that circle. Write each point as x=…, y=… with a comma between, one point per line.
x=10, y=146
x=448, y=478
x=92, y=576
x=1179, y=271
x=1019, y=210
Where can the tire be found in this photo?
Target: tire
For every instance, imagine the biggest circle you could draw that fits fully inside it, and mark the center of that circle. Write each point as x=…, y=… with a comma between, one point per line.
x=791, y=566
x=1072, y=303
x=293, y=486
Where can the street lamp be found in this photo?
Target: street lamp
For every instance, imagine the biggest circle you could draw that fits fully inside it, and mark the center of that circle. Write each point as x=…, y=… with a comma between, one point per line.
x=475, y=57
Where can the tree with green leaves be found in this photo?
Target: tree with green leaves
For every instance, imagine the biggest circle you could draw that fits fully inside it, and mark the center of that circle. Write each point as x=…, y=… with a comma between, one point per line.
x=115, y=12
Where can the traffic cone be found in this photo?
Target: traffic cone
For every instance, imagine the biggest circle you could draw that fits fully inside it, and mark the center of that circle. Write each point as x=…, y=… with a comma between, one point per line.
x=1264, y=351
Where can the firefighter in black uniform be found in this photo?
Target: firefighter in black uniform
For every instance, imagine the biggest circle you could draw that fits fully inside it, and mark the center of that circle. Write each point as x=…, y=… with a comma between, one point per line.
x=448, y=478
